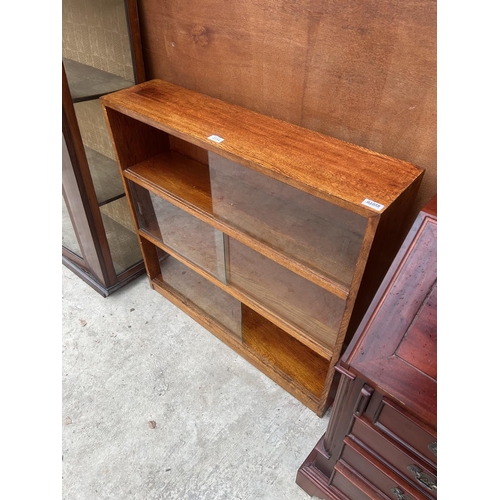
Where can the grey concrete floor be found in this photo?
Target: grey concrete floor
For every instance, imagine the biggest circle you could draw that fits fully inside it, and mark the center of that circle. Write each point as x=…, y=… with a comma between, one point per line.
x=155, y=407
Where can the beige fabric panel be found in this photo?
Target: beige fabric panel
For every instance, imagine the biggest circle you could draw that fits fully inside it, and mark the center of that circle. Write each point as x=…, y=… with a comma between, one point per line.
x=95, y=32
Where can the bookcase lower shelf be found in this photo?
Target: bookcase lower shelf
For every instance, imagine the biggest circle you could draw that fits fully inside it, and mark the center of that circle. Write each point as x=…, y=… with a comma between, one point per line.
x=269, y=348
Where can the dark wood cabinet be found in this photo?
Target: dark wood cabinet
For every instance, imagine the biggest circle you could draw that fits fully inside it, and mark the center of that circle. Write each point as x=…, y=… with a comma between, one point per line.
x=273, y=237
x=381, y=440
x=101, y=54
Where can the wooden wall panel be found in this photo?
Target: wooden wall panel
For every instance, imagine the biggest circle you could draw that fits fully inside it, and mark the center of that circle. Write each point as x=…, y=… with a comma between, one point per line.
x=363, y=71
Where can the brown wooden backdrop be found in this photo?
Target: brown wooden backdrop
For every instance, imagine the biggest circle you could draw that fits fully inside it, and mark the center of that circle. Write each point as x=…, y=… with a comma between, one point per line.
x=360, y=70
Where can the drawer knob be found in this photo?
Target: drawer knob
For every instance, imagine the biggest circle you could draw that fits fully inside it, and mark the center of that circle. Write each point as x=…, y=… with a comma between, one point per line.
x=399, y=494
x=363, y=399
x=423, y=478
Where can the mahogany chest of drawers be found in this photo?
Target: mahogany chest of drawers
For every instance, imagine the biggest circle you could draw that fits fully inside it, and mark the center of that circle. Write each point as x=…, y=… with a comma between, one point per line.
x=381, y=439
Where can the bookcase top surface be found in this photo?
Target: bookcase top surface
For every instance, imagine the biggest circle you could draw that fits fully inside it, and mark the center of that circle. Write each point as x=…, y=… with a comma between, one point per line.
x=320, y=164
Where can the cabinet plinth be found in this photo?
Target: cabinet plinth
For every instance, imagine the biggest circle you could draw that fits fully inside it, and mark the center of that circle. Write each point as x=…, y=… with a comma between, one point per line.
x=292, y=230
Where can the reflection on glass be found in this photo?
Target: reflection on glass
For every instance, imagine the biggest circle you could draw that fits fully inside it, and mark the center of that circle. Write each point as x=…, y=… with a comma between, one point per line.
x=322, y=236
x=96, y=33
x=122, y=239
x=214, y=302
x=299, y=301
x=105, y=176
x=69, y=239
x=198, y=242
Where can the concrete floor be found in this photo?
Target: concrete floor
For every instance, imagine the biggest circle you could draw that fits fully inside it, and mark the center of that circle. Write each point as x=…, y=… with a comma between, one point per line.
x=155, y=407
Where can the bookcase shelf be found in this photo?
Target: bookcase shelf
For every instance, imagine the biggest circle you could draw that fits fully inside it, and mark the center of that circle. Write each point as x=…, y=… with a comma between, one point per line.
x=187, y=183
x=275, y=238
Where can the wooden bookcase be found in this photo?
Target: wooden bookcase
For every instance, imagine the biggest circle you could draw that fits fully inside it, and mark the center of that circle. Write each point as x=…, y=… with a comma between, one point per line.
x=273, y=237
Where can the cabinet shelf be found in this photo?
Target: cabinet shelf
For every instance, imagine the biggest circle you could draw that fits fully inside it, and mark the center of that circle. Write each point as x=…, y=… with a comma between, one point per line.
x=87, y=83
x=187, y=184
x=181, y=179
x=106, y=177
x=312, y=342
x=293, y=228
x=284, y=352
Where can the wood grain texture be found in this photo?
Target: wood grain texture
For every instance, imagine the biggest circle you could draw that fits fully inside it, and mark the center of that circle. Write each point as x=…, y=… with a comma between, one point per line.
x=405, y=430
x=352, y=485
x=331, y=169
x=151, y=261
x=186, y=183
x=133, y=140
x=177, y=176
x=290, y=328
x=417, y=346
x=284, y=352
x=390, y=453
x=391, y=231
x=375, y=473
x=364, y=72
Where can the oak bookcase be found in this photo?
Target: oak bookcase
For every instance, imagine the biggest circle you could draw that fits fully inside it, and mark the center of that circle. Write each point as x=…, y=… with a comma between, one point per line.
x=273, y=237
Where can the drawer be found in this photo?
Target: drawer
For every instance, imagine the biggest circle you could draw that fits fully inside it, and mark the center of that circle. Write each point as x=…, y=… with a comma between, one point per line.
x=352, y=486
x=406, y=431
x=376, y=474
x=395, y=457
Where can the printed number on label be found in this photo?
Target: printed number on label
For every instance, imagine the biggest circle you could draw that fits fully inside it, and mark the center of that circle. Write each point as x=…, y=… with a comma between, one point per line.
x=215, y=138
x=373, y=204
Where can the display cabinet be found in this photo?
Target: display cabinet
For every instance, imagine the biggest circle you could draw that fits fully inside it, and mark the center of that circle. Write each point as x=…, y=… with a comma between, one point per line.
x=272, y=236
x=381, y=439
x=101, y=54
